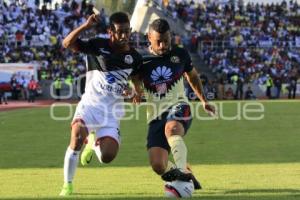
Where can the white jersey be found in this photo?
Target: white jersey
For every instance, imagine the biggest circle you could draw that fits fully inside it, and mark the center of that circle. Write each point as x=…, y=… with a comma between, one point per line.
x=107, y=74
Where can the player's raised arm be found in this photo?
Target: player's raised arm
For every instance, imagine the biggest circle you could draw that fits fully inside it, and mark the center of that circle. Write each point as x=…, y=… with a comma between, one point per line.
x=195, y=83
x=70, y=40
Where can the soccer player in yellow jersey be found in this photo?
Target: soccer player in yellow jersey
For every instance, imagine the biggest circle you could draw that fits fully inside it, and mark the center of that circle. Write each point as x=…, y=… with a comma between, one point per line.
x=168, y=111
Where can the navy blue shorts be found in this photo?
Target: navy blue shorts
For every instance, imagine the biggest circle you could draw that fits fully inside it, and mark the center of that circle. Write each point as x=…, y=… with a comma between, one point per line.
x=180, y=112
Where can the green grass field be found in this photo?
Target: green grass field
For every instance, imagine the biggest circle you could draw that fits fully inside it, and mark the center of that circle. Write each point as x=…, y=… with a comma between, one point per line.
x=235, y=160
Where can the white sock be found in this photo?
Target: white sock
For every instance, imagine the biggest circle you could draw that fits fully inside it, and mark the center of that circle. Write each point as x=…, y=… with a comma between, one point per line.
x=98, y=152
x=70, y=164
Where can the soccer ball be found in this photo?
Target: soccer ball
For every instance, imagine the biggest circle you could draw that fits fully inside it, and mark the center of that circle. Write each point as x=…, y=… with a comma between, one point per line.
x=179, y=189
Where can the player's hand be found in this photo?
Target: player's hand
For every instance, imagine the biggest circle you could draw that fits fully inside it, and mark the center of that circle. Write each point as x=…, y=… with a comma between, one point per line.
x=92, y=21
x=126, y=92
x=137, y=98
x=210, y=109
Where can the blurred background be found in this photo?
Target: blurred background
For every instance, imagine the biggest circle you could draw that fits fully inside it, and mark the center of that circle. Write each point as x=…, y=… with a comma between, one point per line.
x=243, y=49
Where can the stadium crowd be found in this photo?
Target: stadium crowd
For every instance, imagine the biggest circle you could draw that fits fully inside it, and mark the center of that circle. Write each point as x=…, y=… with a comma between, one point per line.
x=249, y=42
x=239, y=43
x=30, y=34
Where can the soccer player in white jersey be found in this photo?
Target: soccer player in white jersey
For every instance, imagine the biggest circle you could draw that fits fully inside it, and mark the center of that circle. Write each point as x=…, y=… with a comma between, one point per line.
x=169, y=114
x=109, y=63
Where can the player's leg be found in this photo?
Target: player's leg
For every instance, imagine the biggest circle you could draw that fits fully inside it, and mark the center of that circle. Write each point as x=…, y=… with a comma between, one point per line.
x=294, y=92
x=174, y=133
x=88, y=151
x=159, y=160
x=106, y=149
x=78, y=135
x=5, y=98
x=179, y=151
x=105, y=144
x=178, y=122
x=108, y=141
x=158, y=148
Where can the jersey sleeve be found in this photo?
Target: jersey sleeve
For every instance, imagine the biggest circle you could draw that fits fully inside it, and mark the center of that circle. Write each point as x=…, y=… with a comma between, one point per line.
x=89, y=47
x=188, y=62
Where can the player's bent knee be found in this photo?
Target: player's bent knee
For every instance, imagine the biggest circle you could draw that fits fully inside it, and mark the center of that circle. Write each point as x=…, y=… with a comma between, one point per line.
x=109, y=149
x=174, y=129
x=108, y=157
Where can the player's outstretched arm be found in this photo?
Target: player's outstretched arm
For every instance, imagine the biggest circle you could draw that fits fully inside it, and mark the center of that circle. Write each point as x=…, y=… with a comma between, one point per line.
x=195, y=83
x=138, y=89
x=70, y=40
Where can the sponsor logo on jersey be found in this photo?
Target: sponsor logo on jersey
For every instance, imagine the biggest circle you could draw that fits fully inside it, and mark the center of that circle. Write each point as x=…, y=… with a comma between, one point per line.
x=110, y=78
x=161, y=73
x=128, y=59
x=175, y=59
x=112, y=89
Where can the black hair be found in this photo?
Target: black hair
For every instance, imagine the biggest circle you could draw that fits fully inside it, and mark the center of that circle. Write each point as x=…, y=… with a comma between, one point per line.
x=118, y=18
x=160, y=26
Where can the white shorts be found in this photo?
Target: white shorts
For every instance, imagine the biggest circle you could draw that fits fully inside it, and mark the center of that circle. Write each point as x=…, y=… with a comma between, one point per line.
x=103, y=124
